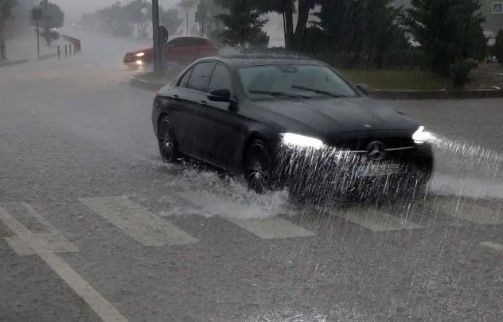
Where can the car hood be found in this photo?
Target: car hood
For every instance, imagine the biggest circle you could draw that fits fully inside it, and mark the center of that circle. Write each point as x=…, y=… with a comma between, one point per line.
x=326, y=116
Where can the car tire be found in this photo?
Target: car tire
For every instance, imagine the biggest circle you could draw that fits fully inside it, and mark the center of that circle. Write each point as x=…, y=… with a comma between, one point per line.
x=257, y=166
x=167, y=144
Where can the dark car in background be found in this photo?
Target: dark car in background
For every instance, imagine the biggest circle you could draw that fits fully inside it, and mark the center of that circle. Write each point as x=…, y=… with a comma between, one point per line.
x=180, y=50
x=290, y=122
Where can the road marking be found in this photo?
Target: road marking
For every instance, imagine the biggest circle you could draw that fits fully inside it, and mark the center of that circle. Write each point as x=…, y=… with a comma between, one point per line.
x=48, y=243
x=262, y=224
x=470, y=212
x=139, y=223
x=105, y=310
x=492, y=245
x=52, y=242
x=377, y=221
x=271, y=228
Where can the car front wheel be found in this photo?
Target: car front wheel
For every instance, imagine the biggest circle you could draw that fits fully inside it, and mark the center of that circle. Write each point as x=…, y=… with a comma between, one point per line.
x=257, y=166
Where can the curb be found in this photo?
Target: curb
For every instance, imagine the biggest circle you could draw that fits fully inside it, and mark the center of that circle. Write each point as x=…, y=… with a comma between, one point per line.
x=441, y=94
x=13, y=62
x=384, y=95
x=144, y=84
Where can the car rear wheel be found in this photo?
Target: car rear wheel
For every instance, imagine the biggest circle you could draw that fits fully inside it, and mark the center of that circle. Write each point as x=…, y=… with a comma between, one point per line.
x=167, y=143
x=257, y=166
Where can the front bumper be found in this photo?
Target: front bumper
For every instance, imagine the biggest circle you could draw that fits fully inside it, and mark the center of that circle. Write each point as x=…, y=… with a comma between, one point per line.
x=332, y=171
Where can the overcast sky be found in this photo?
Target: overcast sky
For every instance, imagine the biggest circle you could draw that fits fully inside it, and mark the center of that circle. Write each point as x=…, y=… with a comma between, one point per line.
x=75, y=8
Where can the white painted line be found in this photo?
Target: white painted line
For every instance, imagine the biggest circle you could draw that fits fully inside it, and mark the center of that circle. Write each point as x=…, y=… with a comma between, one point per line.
x=271, y=228
x=52, y=242
x=105, y=310
x=50, y=228
x=139, y=223
x=492, y=245
x=377, y=221
x=48, y=243
x=470, y=212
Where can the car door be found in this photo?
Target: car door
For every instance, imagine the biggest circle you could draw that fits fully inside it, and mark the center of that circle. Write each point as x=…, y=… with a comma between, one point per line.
x=177, y=51
x=226, y=128
x=188, y=121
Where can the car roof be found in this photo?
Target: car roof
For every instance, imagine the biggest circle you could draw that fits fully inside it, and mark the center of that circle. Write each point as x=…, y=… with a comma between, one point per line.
x=186, y=37
x=238, y=61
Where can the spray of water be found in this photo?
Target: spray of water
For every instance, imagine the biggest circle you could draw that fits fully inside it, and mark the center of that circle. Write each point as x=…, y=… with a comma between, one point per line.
x=466, y=170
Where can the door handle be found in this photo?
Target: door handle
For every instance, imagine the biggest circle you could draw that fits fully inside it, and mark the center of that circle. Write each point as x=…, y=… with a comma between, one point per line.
x=176, y=97
x=204, y=103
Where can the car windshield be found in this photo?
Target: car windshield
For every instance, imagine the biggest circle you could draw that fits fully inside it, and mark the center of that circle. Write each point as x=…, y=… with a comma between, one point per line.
x=293, y=81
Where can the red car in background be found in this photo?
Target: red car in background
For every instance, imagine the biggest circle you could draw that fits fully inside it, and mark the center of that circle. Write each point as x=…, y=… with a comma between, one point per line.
x=180, y=50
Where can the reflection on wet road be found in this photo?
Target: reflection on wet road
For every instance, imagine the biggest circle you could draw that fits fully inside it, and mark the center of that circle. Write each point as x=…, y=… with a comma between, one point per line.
x=94, y=226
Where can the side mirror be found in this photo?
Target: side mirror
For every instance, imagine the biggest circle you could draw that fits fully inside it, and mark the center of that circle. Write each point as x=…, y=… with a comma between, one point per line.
x=220, y=95
x=363, y=87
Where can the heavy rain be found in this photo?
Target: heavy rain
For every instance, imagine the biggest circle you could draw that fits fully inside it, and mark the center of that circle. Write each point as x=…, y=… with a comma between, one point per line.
x=248, y=160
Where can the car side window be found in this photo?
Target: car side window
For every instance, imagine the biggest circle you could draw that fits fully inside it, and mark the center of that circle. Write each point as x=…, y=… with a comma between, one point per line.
x=200, y=77
x=184, y=81
x=220, y=79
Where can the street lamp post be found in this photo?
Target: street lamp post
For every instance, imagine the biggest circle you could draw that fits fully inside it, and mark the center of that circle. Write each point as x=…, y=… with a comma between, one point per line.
x=158, y=63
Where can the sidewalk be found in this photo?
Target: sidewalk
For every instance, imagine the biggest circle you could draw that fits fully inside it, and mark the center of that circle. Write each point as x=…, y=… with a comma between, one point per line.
x=24, y=48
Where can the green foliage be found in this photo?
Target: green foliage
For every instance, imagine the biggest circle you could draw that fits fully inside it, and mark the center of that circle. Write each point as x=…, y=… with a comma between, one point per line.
x=369, y=29
x=117, y=18
x=448, y=30
x=242, y=23
x=6, y=7
x=498, y=47
x=460, y=71
x=55, y=16
x=171, y=19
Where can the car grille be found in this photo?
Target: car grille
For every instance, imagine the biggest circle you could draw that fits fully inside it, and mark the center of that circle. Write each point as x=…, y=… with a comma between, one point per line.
x=399, y=148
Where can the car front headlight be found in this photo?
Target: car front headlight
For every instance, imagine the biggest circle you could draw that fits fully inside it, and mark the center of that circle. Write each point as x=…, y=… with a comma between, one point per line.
x=297, y=140
x=422, y=136
x=140, y=55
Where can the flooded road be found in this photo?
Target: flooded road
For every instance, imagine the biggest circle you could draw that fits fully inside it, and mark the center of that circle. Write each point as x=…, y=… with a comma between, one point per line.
x=94, y=226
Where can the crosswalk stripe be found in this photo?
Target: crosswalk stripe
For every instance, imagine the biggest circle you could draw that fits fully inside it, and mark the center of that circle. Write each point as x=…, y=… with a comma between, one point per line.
x=104, y=309
x=377, y=221
x=262, y=225
x=139, y=223
x=492, y=245
x=271, y=228
x=470, y=212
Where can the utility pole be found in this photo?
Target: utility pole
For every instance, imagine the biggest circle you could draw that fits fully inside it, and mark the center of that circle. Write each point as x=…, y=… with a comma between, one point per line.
x=158, y=54
x=45, y=26
x=36, y=15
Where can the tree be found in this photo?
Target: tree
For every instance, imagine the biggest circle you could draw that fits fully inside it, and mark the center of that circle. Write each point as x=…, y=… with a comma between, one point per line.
x=242, y=24
x=498, y=46
x=170, y=18
x=341, y=22
x=294, y=35
x=139, y=12
x=117, y=19
x=54, y=16
x=186, y=6
x=448, y=31
x=380, y=31
x=6, y=7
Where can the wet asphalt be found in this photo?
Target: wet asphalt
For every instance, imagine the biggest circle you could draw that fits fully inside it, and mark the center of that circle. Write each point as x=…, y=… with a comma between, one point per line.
x=75, y=130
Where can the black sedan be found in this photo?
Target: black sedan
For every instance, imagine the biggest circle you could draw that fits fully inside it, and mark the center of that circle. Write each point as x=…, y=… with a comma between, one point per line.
x=289, y=122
